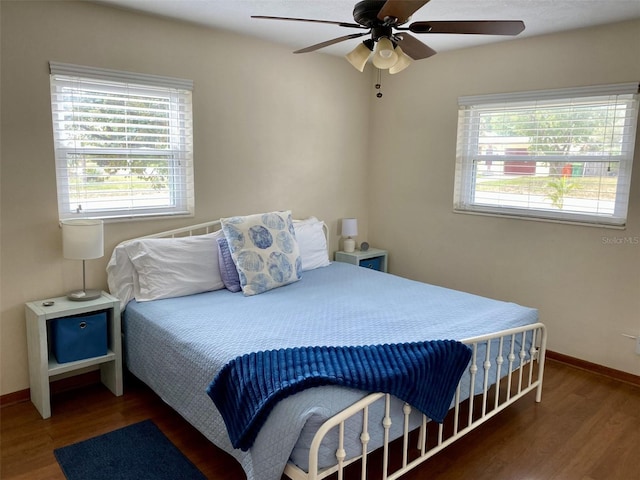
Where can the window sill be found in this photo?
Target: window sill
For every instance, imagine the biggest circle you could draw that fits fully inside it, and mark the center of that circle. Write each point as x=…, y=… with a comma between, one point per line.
x=540, y=219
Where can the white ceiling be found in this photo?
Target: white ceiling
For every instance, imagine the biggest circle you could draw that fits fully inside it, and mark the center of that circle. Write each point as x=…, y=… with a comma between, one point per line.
x=540, y=17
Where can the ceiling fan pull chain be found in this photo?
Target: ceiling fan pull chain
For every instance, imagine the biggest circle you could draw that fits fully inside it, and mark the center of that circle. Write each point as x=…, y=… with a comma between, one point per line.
x=379, y=84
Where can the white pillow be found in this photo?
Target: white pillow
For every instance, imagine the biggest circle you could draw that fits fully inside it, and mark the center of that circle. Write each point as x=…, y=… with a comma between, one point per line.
x=312, y=242
x=175, y=267
x=264, y=249
x=120, y=276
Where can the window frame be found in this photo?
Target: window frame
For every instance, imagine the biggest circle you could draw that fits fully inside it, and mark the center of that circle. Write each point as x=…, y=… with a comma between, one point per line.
x=178, y=196
x=468, y=141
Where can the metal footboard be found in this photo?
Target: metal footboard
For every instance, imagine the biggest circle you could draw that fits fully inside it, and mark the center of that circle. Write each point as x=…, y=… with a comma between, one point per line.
x=504, y=367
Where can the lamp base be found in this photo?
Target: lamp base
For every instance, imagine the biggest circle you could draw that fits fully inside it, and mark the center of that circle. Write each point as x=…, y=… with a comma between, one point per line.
x=84, y=295
x=349, y=245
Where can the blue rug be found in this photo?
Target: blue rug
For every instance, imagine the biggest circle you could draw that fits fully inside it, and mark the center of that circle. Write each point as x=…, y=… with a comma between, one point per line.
x=139, y=451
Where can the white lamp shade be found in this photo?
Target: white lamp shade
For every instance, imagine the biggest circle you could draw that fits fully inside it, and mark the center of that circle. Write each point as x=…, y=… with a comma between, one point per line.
x=403, y=61
x=82, y=239
x=384, y=56
x=358, y=56
x=349, y=227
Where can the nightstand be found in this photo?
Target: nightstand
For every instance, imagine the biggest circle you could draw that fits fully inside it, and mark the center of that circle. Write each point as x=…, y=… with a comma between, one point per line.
x=43, y=365
x=373, y=258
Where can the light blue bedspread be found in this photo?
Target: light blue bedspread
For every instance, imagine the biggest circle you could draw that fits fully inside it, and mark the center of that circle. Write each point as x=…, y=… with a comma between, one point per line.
x=177, y=346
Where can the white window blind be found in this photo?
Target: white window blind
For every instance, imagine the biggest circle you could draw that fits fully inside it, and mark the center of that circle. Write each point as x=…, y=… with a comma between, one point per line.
x=562, y=155
x=123, y=143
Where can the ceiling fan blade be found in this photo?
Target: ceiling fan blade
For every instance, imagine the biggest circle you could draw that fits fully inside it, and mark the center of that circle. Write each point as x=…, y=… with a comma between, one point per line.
x=318, y=46
x=481, y=27
x=400, y=9
x=413, y=47
x=341, y=24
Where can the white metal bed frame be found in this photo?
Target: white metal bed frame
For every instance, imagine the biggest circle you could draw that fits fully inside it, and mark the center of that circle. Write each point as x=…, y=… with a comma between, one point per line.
x=528, y=377
x=522, y=376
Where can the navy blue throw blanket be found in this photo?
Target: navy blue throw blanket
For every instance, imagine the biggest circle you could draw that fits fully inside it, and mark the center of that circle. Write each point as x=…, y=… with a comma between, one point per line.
x=423, y=374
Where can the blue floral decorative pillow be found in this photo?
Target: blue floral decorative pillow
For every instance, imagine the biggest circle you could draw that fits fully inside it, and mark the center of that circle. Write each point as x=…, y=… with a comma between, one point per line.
x=264, y=249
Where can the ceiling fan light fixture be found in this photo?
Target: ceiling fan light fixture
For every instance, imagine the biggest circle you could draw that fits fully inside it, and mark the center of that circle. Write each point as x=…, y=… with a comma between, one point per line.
x=403, y=62
x=384, y=55
x=382, y=20
x=358, y=56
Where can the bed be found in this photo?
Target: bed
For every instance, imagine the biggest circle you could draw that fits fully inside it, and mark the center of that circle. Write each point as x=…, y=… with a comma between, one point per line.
x=177, y=346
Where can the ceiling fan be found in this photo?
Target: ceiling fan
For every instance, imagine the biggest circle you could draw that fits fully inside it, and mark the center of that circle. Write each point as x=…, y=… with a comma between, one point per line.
x=393, y=48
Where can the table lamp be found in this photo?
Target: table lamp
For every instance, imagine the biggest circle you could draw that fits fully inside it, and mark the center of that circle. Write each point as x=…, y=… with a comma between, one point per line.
x=349, y=229
x=82, y=239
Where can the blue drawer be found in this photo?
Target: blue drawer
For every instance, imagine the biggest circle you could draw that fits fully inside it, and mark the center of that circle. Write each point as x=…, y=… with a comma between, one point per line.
x=79, y=337
x=374, y=263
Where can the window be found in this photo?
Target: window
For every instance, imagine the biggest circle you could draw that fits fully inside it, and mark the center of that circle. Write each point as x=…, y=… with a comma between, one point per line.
x=561, y=155
x=123, y=143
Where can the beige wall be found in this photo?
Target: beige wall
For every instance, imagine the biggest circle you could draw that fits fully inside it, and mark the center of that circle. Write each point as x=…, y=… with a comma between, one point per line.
x=272, y=130
x=587, y=290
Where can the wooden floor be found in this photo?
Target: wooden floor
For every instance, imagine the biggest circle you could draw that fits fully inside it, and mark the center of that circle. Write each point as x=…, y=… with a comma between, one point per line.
x=586, y=428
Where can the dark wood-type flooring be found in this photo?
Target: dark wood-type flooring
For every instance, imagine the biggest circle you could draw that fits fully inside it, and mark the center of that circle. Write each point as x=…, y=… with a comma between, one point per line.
x=586, y=428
